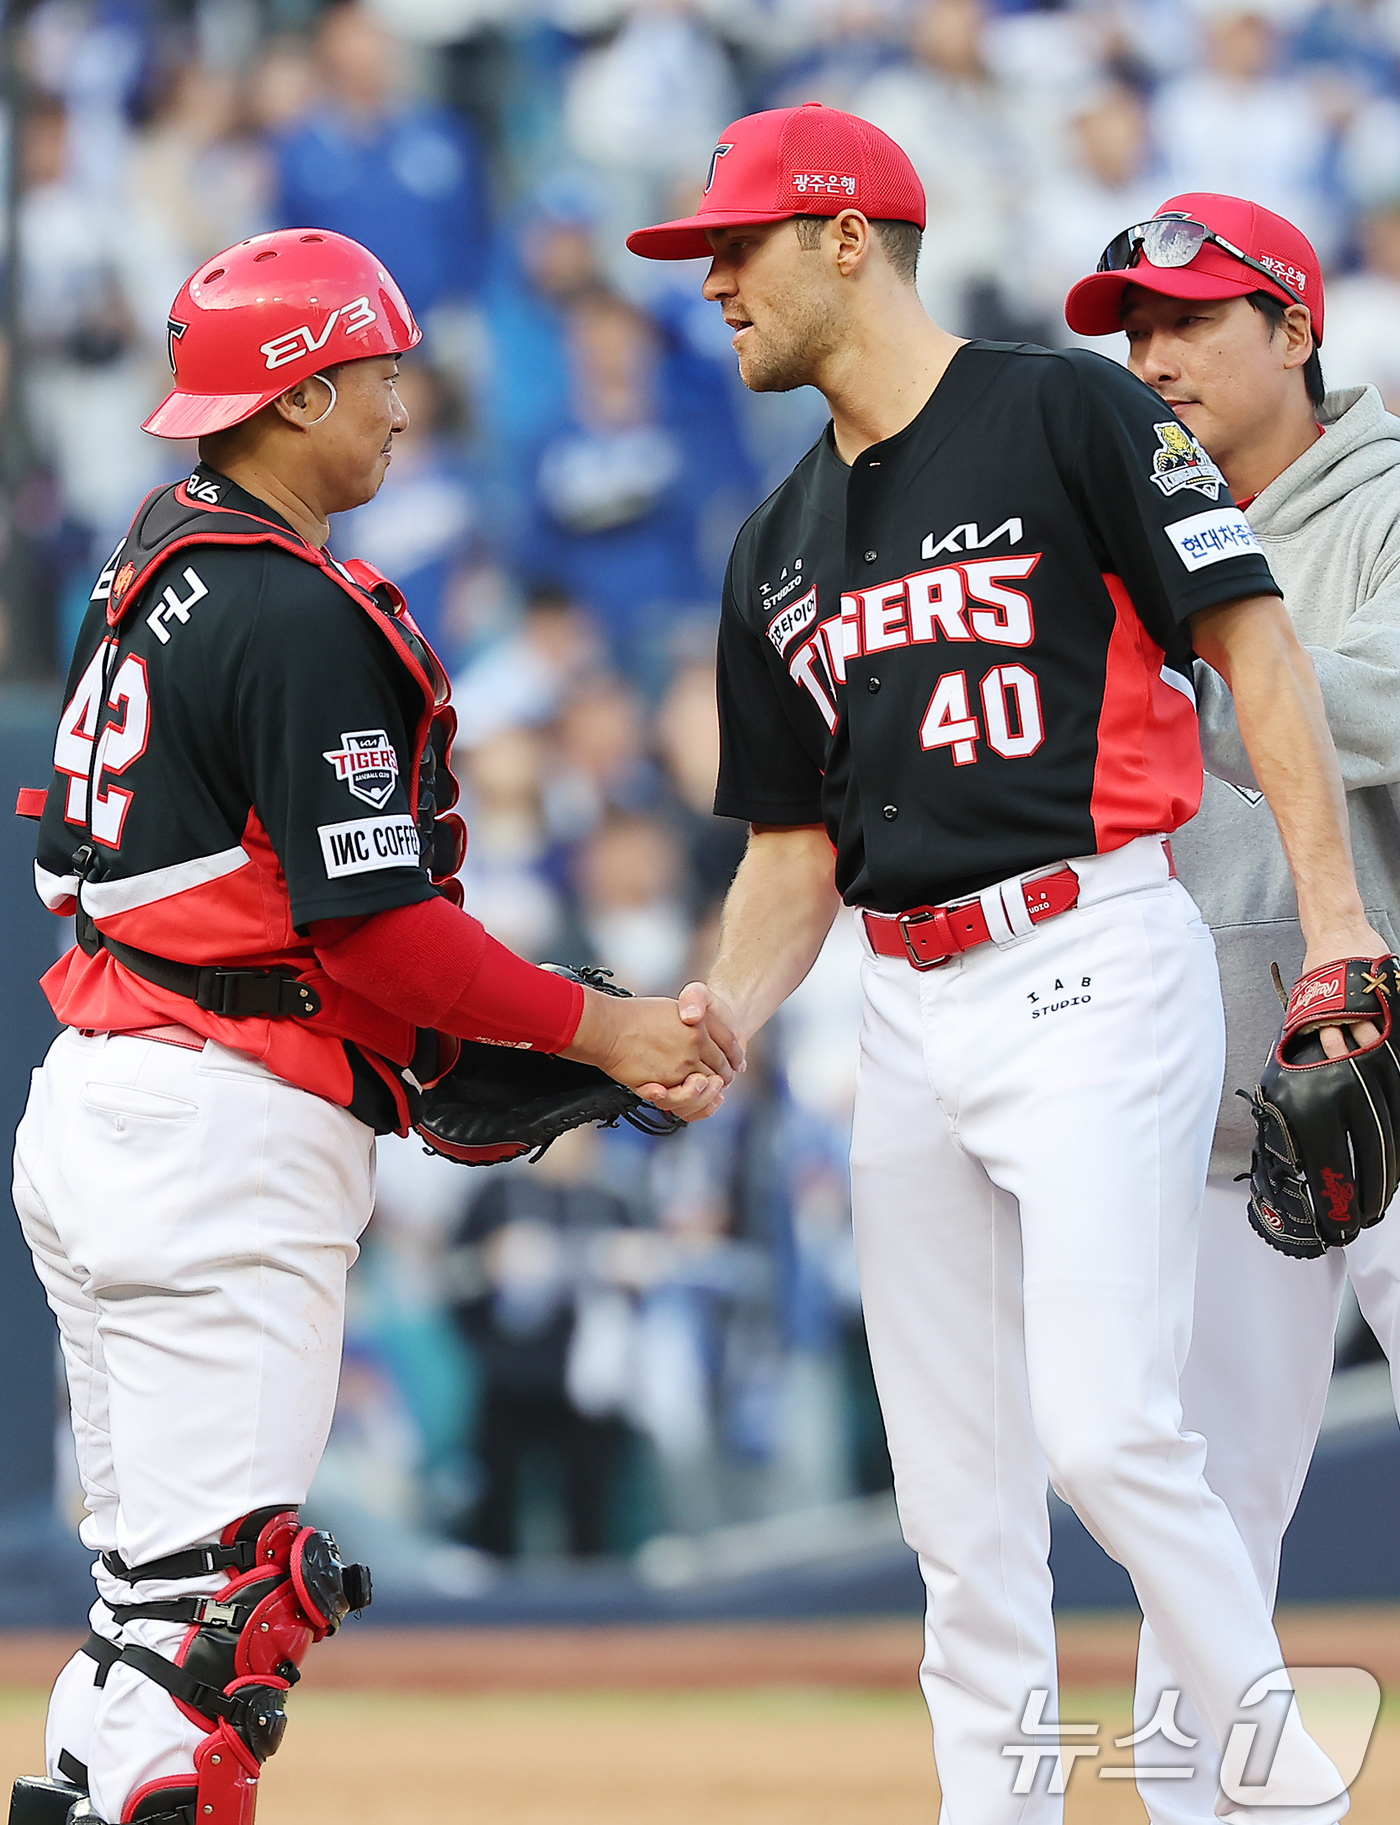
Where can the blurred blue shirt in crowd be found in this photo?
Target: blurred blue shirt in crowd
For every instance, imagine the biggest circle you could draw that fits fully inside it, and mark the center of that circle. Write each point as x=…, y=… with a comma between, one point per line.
x=637, y=487
x=406, y=179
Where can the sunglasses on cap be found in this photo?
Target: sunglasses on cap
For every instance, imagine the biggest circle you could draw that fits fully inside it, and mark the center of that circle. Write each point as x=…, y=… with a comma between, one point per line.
x=1175, y=240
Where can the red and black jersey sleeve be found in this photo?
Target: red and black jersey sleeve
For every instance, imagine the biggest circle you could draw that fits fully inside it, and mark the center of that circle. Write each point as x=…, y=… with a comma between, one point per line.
x=325, y=723
x=771, y=761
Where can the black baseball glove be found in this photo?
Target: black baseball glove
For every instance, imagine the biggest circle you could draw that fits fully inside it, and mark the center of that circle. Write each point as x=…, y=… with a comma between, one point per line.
x=1327, y=1128
x=497, y=1103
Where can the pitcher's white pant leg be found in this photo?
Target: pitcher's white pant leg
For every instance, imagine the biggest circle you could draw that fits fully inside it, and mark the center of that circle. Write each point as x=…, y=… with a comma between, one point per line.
x=1080, y=1070
x=1254, y=1386
x=1373, y=1262
x=195, y=1217
x=940, y=1266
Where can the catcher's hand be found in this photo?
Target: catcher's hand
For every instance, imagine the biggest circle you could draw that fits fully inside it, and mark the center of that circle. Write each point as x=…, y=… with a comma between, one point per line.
x=497, y=1103
x=1327, y=1127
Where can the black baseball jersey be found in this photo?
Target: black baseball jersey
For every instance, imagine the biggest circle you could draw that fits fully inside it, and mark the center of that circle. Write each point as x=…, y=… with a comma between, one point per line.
x=244, y=728
x=967, y=653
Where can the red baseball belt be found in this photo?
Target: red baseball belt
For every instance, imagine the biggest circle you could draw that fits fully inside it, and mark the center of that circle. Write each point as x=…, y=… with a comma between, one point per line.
x=929, y=935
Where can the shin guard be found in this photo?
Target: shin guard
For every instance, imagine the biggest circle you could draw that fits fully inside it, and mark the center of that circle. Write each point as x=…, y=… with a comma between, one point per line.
x=41, y=1802
x=287, y=1588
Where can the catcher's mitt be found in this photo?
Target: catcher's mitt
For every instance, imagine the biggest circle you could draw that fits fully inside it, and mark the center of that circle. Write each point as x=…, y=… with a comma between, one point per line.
x=497, y=1103
x=1327, y=1128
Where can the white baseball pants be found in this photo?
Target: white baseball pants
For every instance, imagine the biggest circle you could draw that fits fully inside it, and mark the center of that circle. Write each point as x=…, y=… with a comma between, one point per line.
x=1255, y=1385
x=192, y=1218
x=1032, y=1129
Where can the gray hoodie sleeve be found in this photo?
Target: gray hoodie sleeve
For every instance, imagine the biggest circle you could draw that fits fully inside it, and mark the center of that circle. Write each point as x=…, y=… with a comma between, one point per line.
x=1330, y=528
x=1360, y=679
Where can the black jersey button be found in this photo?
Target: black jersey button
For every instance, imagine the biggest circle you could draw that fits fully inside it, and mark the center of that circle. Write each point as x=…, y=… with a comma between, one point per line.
x=872, y=685
x=871, y=556
x=891, y=813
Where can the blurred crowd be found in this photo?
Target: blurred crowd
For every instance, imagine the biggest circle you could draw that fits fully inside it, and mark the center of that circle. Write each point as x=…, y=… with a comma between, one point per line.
x=629, y=1337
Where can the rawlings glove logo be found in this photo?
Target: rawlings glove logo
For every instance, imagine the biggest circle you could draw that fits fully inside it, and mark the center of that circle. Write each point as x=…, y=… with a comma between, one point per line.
x=1311, y=989
x=1340, y=1194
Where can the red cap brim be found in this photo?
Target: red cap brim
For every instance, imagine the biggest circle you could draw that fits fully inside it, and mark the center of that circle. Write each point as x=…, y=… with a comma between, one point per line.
x=1094, y=307
x=685, y=239
x=200, y=414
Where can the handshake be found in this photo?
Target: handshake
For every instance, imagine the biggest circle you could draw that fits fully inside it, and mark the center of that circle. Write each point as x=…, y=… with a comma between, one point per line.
x=679, y=1054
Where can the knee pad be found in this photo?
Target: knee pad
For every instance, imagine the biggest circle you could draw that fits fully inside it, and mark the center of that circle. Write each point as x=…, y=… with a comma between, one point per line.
x=287, y=1588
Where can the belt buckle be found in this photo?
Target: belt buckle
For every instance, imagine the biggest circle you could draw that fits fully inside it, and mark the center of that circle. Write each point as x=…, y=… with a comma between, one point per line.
x=918, y=962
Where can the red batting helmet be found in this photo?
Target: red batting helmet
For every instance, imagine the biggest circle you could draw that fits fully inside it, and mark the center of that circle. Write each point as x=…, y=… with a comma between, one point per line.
x=269, y=312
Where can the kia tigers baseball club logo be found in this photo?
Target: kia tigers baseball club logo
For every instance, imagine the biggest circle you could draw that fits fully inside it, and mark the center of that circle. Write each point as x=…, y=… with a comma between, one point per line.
x=368, y=763
x=174, y=330
x=358, y=314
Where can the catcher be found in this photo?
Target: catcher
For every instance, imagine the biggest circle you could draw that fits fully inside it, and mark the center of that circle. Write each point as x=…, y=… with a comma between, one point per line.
x=250, y=819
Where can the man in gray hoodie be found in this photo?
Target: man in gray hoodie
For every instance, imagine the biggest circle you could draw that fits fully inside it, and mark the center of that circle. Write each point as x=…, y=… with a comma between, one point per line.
x=1229, y=339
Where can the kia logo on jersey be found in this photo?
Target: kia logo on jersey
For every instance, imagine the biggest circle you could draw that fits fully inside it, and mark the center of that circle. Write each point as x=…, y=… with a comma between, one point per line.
x=368, y=763
x=358, y=314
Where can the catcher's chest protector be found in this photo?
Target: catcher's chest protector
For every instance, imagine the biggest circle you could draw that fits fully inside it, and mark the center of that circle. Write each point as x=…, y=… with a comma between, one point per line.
x=176, y=519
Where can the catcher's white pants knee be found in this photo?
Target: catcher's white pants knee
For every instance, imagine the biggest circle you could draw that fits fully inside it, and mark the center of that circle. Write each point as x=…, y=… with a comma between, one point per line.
x=192, y=1218
x=1031, y=1135
x=1255, y=1385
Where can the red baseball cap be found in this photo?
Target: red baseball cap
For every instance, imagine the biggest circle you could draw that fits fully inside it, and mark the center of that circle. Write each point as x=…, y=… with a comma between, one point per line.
x=1094, y=306
x=811, y=160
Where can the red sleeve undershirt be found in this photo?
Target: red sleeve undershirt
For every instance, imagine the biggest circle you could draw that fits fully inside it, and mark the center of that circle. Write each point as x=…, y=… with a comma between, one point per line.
x=438, y=967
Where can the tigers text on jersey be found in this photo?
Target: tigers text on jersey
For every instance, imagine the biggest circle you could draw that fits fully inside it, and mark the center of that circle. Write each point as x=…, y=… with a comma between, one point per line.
x=966, y=653
x=244, y=729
